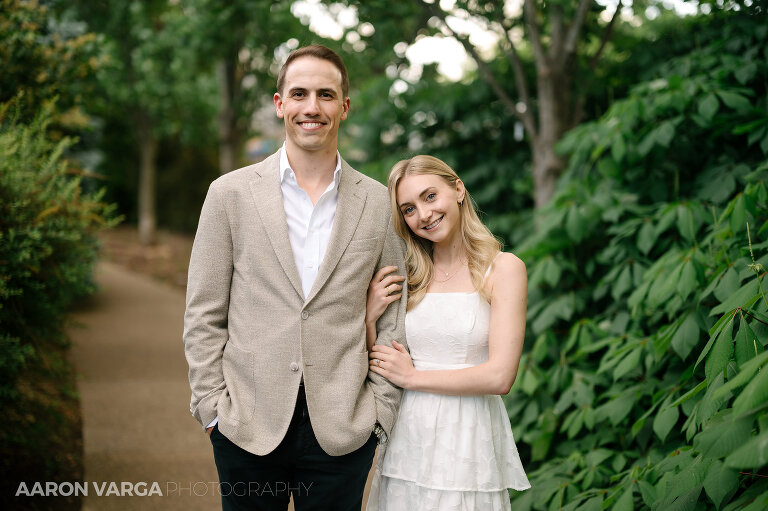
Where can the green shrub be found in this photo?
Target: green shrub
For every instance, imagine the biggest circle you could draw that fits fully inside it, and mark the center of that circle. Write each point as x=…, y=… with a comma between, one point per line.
x=47, y=253
x=646, y=384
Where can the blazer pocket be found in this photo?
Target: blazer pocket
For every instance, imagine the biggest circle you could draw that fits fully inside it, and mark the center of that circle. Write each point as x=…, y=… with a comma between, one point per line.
x=363, y=245
x=239, y=401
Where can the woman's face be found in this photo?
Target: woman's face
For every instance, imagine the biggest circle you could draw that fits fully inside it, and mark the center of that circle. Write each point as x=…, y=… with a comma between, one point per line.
x=430, y=206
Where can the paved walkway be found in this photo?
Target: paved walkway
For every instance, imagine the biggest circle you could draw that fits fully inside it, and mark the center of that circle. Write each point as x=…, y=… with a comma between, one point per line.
x=128, y=353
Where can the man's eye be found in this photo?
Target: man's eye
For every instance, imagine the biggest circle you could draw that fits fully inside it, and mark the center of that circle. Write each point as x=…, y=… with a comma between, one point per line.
x=297, y=94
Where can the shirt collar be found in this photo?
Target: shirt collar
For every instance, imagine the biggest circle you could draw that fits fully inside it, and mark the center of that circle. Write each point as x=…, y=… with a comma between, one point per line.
x=285, y=166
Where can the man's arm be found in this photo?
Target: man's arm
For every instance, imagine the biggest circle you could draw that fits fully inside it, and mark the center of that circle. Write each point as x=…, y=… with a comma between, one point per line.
x=390, y=327
x=205, y=319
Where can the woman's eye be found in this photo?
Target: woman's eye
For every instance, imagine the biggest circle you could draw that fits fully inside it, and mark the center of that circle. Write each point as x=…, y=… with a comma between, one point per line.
x=408, y=210
x=431, y=197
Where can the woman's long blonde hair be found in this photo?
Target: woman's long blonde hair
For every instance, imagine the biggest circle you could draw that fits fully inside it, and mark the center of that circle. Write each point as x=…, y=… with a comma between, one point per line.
x=480, y=246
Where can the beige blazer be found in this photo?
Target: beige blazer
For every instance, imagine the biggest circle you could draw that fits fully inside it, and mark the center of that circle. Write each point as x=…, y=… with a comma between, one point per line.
x=250, y=334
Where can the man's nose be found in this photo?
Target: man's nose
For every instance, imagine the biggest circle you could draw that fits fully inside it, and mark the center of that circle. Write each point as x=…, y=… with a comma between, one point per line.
x=311, y=105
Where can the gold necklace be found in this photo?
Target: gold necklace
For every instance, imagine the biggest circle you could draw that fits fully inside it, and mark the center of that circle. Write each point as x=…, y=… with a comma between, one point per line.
x=448, y=276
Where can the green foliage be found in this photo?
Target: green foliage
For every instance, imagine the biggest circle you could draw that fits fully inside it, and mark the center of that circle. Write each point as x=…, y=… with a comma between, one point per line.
x=47, y=252
x=646, y=382
x=41, y=59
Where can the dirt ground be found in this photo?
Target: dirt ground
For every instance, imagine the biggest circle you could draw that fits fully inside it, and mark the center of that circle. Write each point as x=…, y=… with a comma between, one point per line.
x=166, y=261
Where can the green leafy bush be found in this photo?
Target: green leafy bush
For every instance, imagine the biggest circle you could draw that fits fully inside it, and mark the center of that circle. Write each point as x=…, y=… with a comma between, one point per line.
x=47, y=252
x=646, y=384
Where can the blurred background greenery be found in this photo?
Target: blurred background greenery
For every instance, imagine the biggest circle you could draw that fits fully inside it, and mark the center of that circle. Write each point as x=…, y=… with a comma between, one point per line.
x=620, y=148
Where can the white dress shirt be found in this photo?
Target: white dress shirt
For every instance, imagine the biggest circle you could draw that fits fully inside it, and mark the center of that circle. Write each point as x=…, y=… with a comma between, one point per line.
x=309, y=226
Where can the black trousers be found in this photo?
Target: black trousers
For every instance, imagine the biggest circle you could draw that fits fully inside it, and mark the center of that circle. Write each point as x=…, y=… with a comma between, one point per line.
x=298, y=467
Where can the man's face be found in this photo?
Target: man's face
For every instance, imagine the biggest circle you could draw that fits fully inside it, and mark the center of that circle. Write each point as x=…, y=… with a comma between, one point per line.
x=312, y=105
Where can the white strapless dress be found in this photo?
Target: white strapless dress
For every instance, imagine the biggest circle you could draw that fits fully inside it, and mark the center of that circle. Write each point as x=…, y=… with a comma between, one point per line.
x=448, y=452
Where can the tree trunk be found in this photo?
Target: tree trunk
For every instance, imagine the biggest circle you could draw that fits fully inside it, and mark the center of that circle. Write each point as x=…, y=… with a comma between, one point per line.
x=229, y=139
x=554, y=98
x=147, y=178
x=547, y=167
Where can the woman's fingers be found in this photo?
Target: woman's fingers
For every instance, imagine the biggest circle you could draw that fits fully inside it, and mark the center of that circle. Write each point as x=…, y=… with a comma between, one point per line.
x=399, y=347
x=381, y=348
x=392, y=279
x=383, y=271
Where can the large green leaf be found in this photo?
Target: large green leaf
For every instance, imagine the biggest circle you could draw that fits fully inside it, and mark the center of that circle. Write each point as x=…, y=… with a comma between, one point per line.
x=593, y=504
x=625, y=502
x=630, y=362
x=744, y=297
x=646, y=237
x=734, y=100
x=738, y=218
x=686, y=337
x=754, y=394
x=720, y=482
x=720, y=354
x=708, y=106
x=685, y=502
x=615, y=410
x=576, y=223
x=760, y=503
x=747, y=344
x=729, y=283
x=623, y=283
x=688, y=280
x=752, y=454
x=721, y=438
x=664, y=421
x=745, y=375
x=685, y=225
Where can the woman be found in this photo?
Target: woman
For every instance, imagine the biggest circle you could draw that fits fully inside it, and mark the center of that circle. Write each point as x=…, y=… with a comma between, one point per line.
x=452, y=445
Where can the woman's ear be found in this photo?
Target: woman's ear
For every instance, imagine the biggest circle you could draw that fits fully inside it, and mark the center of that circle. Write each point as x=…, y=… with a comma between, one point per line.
x=460, y=191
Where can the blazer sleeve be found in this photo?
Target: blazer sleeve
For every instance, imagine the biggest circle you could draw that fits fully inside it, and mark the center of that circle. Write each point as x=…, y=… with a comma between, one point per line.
x=205, y=318
x=390, y=327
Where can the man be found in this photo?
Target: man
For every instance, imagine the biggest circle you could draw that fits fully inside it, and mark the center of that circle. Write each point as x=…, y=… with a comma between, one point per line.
x=274, y=329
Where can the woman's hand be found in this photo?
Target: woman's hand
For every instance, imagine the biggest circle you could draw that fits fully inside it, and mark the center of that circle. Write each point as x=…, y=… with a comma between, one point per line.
x=393, y=364
x=383, y=290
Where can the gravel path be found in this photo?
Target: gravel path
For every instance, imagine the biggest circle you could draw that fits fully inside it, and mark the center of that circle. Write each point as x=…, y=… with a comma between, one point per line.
x=132, y=379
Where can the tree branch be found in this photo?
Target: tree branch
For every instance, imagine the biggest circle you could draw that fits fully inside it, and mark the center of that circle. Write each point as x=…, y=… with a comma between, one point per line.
x=542, y=63
x=556, y=32
x=487, y=73
x=520, y=82
x=606, y=36
x=569, y=48
x=578, y=110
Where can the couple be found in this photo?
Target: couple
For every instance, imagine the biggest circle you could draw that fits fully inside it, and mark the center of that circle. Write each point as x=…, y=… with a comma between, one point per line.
x=281, y=309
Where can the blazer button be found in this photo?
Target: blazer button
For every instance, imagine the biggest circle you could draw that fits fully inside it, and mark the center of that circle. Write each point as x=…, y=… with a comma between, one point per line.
x=294, y=366
x=304, y=314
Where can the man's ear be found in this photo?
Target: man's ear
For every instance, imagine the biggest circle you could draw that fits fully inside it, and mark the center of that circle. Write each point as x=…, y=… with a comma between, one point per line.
x=278, y=105
x=346, y=109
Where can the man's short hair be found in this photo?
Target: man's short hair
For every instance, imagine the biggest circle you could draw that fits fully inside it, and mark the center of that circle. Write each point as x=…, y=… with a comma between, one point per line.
x=319, y=52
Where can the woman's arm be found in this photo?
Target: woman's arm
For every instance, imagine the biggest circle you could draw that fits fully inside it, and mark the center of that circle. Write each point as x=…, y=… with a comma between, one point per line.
x=383, y=290
x=509, y=289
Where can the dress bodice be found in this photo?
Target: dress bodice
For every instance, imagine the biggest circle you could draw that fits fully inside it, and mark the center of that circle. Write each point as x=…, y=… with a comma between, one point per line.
x=448, y=330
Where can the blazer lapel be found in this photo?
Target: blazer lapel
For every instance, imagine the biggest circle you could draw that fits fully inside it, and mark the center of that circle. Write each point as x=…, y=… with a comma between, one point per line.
x=265, y=188
x=348, y=212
